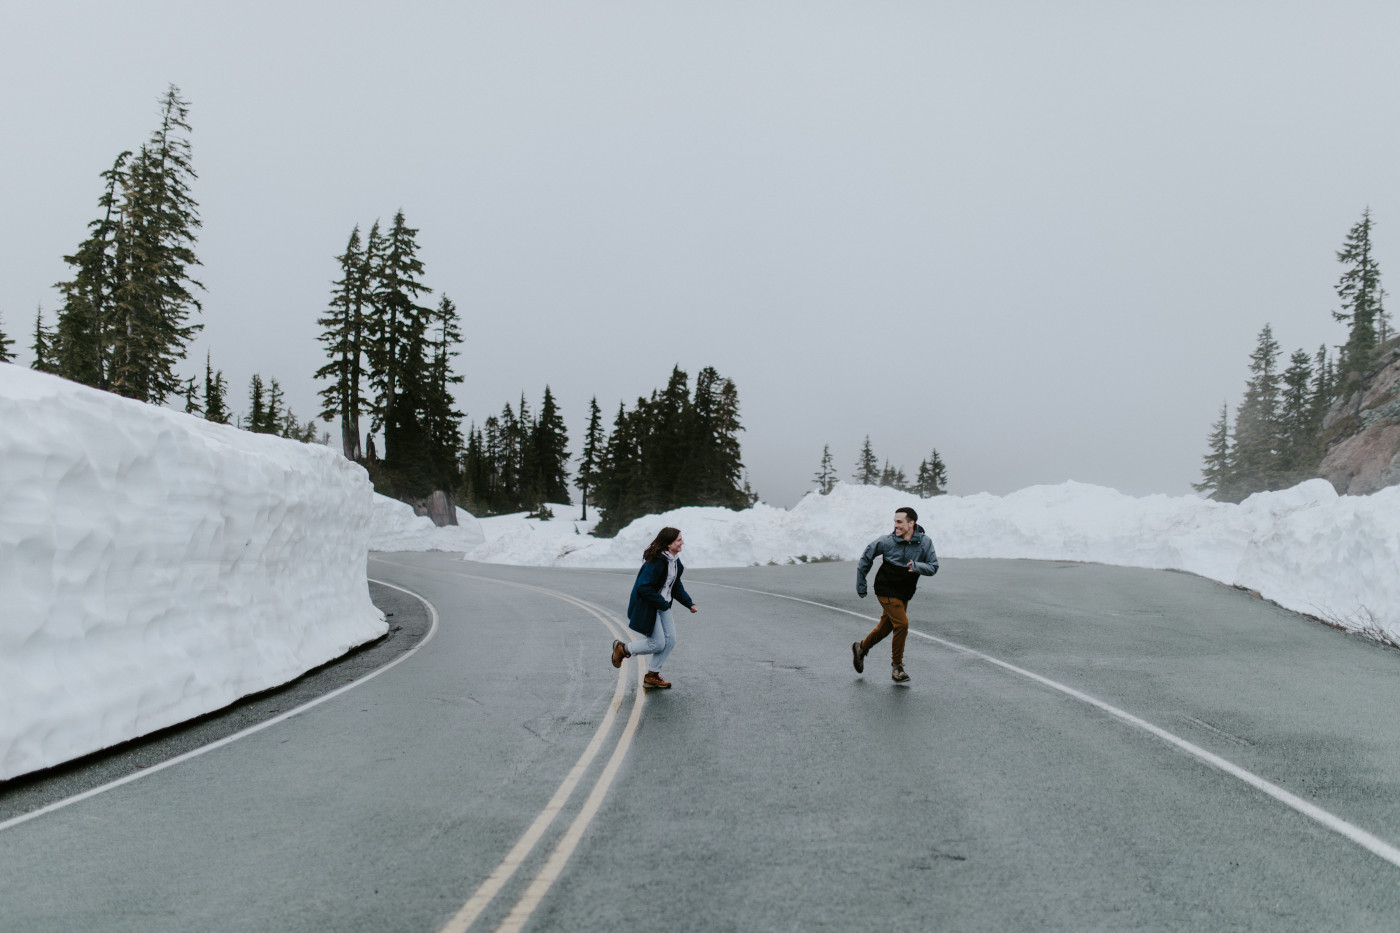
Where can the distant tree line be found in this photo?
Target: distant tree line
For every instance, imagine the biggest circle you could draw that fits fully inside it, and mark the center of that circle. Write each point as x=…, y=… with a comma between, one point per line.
x=516, y=462
x=1277, y=439
x=930, y=480
x=125, y=324
x=675, y=448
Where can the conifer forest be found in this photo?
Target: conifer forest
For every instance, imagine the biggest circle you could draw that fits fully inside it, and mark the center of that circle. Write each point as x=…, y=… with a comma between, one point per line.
x=1278, y=436
x=129, y=311
x=127, y=318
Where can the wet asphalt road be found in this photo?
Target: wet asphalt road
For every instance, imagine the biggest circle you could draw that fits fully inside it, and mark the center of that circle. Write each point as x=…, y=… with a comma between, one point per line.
x=772, y=788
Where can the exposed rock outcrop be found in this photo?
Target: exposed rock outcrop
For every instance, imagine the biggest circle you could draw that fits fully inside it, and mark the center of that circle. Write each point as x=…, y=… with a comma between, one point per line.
x=438, y=506
x=1362, y=433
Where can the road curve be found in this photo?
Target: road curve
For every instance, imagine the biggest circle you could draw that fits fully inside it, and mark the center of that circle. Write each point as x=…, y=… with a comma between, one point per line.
x=1037, y=773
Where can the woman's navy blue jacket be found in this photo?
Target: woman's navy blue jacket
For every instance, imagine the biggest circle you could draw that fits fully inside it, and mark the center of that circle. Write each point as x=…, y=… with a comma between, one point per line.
x=646, y=599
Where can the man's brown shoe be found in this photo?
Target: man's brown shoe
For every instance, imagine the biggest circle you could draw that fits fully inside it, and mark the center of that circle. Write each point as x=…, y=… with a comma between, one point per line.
x=619, y=653
x=897, y=674
x=653, y=679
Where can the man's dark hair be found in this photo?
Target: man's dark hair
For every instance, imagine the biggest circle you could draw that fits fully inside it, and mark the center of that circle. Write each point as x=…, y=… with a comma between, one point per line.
x=913, y=516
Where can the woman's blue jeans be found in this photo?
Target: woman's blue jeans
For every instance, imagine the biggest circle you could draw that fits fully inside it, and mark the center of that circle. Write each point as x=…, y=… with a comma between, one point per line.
x=659, y=643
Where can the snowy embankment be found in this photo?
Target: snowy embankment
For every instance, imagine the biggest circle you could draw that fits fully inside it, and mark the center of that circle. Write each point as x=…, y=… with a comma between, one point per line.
x=155, y=566
x=1306, y=548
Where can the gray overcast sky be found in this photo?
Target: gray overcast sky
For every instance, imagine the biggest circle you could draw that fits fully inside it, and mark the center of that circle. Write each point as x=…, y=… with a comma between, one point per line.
x=1041, y=237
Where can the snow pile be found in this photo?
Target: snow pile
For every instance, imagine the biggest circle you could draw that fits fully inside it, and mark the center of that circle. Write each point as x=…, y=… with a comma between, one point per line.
x=155, y=567
x=395, y=527
x=1306, y=548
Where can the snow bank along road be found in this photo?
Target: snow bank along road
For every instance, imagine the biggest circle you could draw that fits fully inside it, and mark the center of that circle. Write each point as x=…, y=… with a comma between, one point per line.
x=1185, y=757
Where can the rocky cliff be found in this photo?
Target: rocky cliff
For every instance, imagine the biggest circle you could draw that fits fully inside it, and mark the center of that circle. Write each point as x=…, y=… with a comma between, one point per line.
x=1362, y=433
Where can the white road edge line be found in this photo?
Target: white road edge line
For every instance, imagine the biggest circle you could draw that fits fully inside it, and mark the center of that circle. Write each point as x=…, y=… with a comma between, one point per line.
x=228, y=739
x=1356, y=834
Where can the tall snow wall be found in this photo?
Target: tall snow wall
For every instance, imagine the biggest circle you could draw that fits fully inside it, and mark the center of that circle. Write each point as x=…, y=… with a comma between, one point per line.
x=155, y=567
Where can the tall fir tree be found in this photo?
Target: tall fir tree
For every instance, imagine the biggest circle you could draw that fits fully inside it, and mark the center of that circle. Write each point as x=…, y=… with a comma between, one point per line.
x=620, y=491
x=932, y=478
x=472, y=487
x=44, y=359
x=667, y=464
x=1299, y=428
x=1257, y=425
x=154, y=298
x=1323, y=386
x=85, y=323
x=345, y=333
x=257, y=405
x=1362, y=305
x=6, y=354
x=867, y=466
x=215, y=393
x=441, y=420
x=550, y=440
x=1218, y=471
x=825, y=477
x=398, y=353
x=275, y=413
x=590, y=460
x=723, y=482
x=192, y=406
x=893, y=477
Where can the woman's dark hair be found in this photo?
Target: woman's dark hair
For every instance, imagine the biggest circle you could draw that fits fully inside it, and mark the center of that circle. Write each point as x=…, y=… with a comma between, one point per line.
x=663, y=540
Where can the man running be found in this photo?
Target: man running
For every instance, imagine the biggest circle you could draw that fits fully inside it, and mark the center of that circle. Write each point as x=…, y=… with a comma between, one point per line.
x=907, y=553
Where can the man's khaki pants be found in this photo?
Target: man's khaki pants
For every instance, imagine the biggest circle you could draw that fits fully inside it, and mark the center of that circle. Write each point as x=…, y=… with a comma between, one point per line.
x=893, y=619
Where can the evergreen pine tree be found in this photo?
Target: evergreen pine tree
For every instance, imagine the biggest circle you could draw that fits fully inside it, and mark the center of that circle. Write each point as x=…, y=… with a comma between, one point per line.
x=551, y=443
x=590, y=460
x=932, y=478
x=85, y=321
x=1218, y=471
x=257, y=405
x=1299, y=429
x=345, y=335
x=274, y=414
x=289, y=426
x=1361, y=296
x=192, y=398
x=42, y=346
x=472, y=488
x=867, y=466
x=727, y=485
x=670, y=476
x=495, y=463
x=528, y=471
x=442, y=421
x=509, y=461
x=398, y=352
x=825, y=477
x=620, y=492
x=215, y=391
x=153, y=300
x=1323, y=388
x=1257, y=427
x=6, y=355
